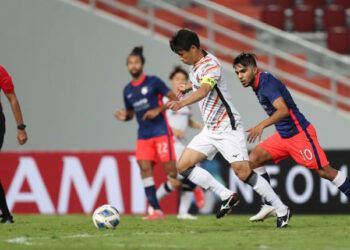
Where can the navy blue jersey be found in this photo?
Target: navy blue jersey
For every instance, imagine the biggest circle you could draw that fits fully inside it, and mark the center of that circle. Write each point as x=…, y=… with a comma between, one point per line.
x=268, y=88
x=145, y=95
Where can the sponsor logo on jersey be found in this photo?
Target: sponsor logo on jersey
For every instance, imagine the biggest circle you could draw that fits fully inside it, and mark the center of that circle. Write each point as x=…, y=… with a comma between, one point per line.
x=144, y=90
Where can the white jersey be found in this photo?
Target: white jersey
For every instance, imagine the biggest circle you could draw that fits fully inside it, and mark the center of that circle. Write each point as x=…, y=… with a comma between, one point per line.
x=178, y=120
x=216, y=108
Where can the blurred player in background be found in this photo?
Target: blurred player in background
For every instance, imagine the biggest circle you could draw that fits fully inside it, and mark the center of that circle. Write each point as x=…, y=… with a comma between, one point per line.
x=223, y=130
x=179, y=121
x=7, y=86
x=295, y=136
x=143, y=97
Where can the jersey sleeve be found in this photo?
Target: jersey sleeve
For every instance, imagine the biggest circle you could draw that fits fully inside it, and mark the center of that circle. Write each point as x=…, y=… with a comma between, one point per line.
x=161, y=87
x=6, y=83
x=211, y=74
x=272, y=89
x=127, y=104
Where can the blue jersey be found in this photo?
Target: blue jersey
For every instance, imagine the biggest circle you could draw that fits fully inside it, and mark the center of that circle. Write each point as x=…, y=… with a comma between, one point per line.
x=268, y=88
x=145, y=95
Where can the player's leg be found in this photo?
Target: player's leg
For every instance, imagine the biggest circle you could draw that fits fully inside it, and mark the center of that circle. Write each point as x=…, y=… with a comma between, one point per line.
x=258, y=157
x=167, y=152
x=232, y=146
x=308, y=152
x=338, y=178
x=199, y=175
x=6, y=215
x=146, y=157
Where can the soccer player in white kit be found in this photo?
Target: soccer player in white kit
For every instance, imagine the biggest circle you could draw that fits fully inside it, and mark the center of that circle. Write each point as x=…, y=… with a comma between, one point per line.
x=179, y=121
x=223, y=130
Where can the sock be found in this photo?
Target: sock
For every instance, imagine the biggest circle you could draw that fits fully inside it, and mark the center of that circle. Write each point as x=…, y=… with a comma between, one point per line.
x=204, y=179
x=164, y=190
x=189, y=185
x=263, y=173
x=342, y=183
x=262, y=187
x=3, y=203
x=186, y=198
x=150, y=190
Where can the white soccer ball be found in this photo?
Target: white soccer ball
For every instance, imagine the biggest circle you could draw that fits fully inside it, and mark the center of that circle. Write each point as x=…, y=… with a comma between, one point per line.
x=106, y=216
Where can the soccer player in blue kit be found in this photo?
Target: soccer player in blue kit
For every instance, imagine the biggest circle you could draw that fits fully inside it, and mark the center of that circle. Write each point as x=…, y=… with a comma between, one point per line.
x=143, y=98
x=295, y=136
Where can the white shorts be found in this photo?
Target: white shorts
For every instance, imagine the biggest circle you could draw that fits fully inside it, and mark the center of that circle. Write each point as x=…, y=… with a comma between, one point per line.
x=231, y=144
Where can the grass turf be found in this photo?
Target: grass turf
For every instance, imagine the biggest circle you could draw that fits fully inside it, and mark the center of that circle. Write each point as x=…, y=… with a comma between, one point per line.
x=230, y=232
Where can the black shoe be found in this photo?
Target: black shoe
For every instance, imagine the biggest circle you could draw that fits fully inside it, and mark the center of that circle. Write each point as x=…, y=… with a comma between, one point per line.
x=7, y=219
x=226, y=205
x=282, y=221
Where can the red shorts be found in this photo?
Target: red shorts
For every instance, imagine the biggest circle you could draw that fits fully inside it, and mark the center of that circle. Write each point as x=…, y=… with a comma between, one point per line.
x=158, y=147
x=303, y=148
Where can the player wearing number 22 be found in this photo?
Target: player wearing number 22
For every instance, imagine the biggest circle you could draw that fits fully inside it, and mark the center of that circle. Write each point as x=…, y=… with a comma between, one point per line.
x=295, y=136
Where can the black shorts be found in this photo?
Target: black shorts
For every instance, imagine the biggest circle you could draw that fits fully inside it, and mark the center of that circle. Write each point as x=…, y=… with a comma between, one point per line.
x=2, y=127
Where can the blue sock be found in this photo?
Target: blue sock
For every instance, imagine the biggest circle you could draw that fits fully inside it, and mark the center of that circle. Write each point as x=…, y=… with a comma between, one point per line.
x=266, y=177
x=345, y=187
x=152, y=197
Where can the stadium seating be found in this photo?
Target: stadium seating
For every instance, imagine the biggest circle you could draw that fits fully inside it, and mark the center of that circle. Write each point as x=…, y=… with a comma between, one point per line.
x=304, y=18
x=344, y=3
x=333, y=16
x=274, y=16
x=338, y=40
x=314, y=3
x=283, y=3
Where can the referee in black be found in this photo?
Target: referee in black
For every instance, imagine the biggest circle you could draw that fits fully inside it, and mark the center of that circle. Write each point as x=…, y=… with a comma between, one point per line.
x=7, y=87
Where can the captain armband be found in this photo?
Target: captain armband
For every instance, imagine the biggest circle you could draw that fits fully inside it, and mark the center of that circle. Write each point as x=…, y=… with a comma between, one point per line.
x=209, y=81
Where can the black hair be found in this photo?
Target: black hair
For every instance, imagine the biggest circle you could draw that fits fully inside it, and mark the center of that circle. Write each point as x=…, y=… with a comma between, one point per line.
x=245, y=59
x=178, y=69
x=137, y=51
x=183, y=40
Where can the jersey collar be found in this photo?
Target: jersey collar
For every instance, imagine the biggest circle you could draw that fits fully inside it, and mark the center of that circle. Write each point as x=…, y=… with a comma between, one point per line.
x=135, y=84
x=256, y=84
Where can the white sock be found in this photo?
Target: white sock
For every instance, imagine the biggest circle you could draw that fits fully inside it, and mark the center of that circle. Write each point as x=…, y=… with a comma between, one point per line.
x=204, y=179
x=263, y=188
x=186, y=198
x=260, y=170
x=162, y=191
x=339, y=179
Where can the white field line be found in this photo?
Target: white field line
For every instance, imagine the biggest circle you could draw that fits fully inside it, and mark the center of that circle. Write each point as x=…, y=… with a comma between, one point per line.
x=26, y=240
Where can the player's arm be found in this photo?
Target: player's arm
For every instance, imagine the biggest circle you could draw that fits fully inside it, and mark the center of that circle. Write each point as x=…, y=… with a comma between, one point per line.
x=152, y=113
x=178, y=133
x=16, y=109
x=207, y=84
x=281, y=112
x=194, y=124
x=124, y=115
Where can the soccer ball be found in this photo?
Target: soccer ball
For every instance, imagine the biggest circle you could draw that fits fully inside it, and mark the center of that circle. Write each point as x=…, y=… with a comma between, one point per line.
x=106, y=216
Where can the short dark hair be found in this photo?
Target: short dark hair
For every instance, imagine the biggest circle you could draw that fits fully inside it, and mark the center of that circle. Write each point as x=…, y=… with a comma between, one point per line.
x=183, y=40
x=245, y=59
x=178, y=69
x=138, y=51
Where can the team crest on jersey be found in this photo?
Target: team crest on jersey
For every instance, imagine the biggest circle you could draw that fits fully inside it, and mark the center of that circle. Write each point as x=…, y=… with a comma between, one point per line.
x=144, y=91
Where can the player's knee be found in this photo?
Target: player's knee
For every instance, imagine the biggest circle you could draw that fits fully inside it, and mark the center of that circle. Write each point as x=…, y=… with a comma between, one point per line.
x=242, y=170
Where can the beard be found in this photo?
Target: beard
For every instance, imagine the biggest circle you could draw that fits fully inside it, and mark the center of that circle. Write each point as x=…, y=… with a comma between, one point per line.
x=136, y=74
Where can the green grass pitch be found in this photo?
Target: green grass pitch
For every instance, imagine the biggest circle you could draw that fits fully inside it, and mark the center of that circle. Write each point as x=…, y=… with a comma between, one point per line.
x=231, y=232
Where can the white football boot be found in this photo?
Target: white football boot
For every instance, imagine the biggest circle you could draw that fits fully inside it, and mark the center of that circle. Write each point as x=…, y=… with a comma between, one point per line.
x=265, y=212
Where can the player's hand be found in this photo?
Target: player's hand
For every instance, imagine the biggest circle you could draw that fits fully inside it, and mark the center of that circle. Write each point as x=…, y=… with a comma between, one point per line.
x=150, y=114
x=120, y=114
x=183, y=89
x=174, y=105
x=21, y=136
x=255, y=132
